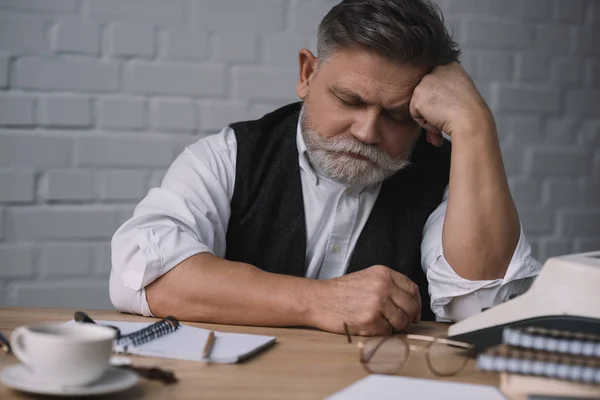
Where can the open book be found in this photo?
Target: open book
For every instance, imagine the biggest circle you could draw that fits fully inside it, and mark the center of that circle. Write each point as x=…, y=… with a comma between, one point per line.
x=187, y=343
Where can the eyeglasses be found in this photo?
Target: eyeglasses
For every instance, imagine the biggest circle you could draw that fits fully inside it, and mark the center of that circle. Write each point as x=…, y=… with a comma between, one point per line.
x=389, y=354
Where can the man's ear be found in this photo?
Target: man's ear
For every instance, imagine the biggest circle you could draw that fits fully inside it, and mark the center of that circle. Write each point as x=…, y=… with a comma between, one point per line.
x=307, y=66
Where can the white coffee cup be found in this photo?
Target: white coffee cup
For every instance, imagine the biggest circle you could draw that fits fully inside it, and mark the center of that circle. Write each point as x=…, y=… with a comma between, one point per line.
x=64, y=354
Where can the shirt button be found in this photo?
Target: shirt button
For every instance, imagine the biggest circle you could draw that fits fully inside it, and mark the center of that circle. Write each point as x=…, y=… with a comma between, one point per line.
x=336, y=248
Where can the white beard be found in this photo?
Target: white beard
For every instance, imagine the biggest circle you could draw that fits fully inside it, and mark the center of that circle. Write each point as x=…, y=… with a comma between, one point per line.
x=327, y=156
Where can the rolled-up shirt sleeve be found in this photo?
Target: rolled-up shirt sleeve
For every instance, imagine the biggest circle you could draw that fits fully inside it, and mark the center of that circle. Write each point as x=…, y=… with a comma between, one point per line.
x=454, y=298
x=187, y=215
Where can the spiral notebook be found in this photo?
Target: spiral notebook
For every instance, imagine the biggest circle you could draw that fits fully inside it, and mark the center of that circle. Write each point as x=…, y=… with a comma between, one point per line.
x=187, y=343
x=565, y=342
x=505, y=358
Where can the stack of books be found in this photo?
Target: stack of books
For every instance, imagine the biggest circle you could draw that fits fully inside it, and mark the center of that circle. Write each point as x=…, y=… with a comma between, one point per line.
x=538, y=361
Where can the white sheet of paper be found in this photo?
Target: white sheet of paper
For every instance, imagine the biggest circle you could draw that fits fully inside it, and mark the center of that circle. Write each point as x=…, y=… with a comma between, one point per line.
x=386, y=387
x=187, y=343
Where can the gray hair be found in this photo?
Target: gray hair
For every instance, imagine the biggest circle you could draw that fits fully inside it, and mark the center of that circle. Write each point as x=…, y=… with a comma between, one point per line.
x=404, y=31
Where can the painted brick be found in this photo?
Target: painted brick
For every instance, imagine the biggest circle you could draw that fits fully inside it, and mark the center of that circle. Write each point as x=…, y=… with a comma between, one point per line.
x=567, y=71
x=513, y=160
x=554, y=247
x=537, y=10
x=66, y=111
x=533, y=67
x=586, y=41
x=156, y=178
x=82, y=294
x=526, y=129
x=123, y=213
x=17, y=186
x=101, y=255
x=173, y=115
x=582, y=103
x=258, y=109
x=122, y=113
x=493, y=64
x=237, y=46
x=151, y=78
x=2, y=224
x=562, y=192
x=593, y=74
x=4, y=70
x=569, y=11
x=181, y=141
x=116, y=185
x=589, y=131
x=499, y=34
x=185, y=44
x=308, y=15
x=591, y=192
x=132, y=40
x=35, y=5
x=16, y=109
x=61, y=74
x=508, y=98
x=61, y=222
x=552, y=39
x=536, y=221
x=67, y=185
x=171, y=13
x=578, y=222
x=65, y=259
x=23, y=34
x=73, y=36
x=265, y=83
x=583, y=245
x=17, y=260
x=219, y=114
x=559, y=162
x=35, y=151
x=561, y=131
x=257, y=15
x=526, y=192
x=503, y=9
x=123, y=152
x=282, y=49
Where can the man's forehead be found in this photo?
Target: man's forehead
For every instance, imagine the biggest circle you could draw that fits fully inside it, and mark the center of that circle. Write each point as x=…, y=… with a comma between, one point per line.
x=367, y=72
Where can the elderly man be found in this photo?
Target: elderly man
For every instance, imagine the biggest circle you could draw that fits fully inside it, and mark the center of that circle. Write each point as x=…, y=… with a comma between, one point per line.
x=349, y=207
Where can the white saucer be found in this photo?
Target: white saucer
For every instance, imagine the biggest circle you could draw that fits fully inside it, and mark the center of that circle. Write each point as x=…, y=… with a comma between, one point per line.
x=18, y=376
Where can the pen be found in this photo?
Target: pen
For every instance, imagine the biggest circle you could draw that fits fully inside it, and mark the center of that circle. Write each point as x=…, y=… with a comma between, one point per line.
x=210, y=342
x=80, y=316
x=4, y=344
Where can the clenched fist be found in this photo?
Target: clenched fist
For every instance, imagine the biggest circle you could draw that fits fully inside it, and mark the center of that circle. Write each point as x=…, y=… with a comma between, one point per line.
x=447, y=100
x=374, y=301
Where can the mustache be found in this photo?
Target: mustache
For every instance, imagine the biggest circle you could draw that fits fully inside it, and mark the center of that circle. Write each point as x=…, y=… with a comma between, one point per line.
x=356, y=147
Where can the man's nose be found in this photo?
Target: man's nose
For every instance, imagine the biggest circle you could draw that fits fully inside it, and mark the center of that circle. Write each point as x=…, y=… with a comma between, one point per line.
x=365, y=127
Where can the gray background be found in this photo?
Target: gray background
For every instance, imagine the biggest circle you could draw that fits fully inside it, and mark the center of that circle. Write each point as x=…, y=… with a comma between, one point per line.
x=97, y=97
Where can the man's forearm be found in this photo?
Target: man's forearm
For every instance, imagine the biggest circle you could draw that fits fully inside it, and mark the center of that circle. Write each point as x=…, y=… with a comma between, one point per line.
x=206, y=288
x=481, y=227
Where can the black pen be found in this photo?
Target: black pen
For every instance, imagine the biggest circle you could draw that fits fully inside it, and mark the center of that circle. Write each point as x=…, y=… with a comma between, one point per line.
x=4, y=344
x=80, y=316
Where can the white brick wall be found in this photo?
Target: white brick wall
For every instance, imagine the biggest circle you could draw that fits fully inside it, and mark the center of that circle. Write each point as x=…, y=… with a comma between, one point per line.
x=97, y=97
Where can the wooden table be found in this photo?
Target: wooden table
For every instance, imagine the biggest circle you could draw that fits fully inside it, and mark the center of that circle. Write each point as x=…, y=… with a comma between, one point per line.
x=303, y=364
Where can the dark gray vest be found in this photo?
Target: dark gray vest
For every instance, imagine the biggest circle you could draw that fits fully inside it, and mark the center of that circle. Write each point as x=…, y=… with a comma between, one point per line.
x=267, y=227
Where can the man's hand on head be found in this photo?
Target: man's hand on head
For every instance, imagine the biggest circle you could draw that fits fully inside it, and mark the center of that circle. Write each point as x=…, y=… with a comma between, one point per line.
x=374, y=301
x=447, y=100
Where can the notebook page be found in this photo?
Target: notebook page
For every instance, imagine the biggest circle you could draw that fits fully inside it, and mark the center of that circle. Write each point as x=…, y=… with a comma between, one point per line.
x=187, y=343
x=386, y=387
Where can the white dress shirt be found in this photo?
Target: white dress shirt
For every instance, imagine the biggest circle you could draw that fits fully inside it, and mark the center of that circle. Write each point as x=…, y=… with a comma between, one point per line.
x=190, y=212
